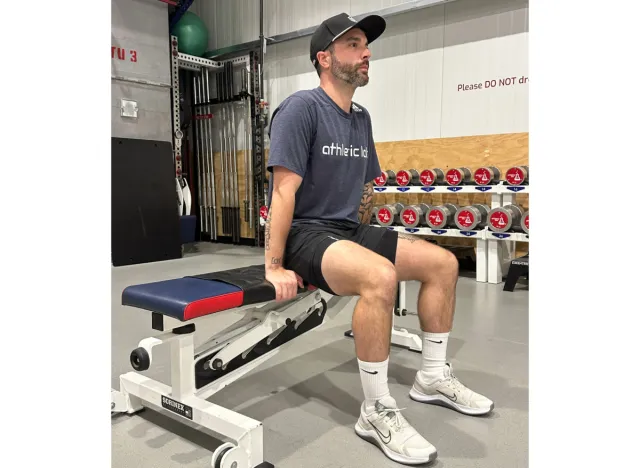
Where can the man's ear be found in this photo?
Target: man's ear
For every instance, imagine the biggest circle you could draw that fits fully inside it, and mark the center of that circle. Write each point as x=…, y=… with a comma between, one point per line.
x=324, y=58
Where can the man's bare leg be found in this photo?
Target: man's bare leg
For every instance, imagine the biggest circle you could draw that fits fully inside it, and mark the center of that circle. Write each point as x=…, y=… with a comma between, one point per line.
x=437, y=270
x=350, y=269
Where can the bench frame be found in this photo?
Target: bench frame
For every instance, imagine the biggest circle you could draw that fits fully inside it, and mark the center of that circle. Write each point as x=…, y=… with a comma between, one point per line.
x=182, y=398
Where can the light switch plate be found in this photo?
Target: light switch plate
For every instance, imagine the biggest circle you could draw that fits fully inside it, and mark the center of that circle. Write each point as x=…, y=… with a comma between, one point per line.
x=128, y=108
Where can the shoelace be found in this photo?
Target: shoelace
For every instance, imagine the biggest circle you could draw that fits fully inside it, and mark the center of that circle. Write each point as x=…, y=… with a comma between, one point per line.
x=393, y=414
x=455, y=383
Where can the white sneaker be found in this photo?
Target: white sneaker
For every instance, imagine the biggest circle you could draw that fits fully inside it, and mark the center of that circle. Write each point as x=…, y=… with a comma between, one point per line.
x=450, y=392
x=387, y=428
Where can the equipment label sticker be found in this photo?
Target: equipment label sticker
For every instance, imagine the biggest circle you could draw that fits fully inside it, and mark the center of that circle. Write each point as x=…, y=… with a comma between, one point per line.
x=436, y=218
x=466, y=218
x=427, y=177
x=410, y=217
x=499, y=220
x=402, y=178
x=381, y=179
x=526, y=221
x=384, y=215
x=453, y=177
x=515, y=176
x=177, y=407
x=482, y=176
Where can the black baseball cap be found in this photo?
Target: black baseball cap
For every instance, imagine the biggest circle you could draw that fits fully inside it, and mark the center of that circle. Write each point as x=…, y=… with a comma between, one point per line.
x=332, y=28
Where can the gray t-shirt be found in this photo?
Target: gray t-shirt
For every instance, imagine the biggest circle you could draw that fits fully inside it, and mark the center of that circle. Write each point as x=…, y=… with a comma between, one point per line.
x=331, y=150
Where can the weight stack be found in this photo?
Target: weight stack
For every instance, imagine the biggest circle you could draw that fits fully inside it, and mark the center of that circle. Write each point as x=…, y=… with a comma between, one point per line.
x=414, y=215
x=472, y=217
x=517, y=175
x=442, y=217
x=389, y=215
x=408, y=177
x=525, y=222
x=430, y=177
x=505, y=218
x=489, y=175
x=458, y=176
x=385, y=178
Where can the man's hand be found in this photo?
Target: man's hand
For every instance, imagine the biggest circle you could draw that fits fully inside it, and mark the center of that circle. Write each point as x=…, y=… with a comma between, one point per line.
x=285, y=282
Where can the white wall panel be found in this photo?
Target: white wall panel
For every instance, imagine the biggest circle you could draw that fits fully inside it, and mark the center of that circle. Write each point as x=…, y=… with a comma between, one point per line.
x=229, y=22
x=499, y=109
x=416, y=65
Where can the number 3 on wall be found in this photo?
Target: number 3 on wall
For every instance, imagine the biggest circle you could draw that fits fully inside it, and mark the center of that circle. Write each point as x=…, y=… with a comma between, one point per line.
x=134, y=55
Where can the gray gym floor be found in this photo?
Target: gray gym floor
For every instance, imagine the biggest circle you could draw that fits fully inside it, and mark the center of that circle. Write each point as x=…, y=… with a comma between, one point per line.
x=308, y=397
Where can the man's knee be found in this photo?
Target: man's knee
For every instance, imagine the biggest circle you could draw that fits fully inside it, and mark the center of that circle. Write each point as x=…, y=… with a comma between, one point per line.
x=447, y=264
x=382, y=282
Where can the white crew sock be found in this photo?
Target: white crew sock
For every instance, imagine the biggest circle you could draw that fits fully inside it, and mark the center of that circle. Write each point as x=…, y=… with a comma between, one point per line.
x=374, y=381
x=434, y=355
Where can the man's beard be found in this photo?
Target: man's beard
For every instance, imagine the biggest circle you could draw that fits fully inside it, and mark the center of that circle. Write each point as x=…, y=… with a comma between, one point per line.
x=348, y=73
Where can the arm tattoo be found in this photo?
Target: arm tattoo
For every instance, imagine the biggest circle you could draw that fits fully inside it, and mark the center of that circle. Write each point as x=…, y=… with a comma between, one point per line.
x=276, y=261
x=366, y=204
x=267, y=231
x=409, y=237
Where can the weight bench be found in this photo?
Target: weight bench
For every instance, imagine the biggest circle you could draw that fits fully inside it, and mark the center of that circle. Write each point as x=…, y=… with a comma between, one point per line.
x=264, y=327
x=518, y=267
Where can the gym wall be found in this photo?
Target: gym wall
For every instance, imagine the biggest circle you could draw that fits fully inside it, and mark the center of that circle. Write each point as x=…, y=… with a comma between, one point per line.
x=140, y=51
x=420, y=65
x=144, y=213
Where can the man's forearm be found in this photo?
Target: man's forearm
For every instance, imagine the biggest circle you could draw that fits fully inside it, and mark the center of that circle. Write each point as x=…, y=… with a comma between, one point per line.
x=277, y=229
x=366, y=204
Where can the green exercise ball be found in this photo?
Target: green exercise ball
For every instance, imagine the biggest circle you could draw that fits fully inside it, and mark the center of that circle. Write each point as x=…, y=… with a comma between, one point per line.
x=192, y=35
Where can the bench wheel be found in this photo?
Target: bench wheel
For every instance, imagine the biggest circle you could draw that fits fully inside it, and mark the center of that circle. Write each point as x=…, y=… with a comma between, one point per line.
x=140, y=359
x=229, y=456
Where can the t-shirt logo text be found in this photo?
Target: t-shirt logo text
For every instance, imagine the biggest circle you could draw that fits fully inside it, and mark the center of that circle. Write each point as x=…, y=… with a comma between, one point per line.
x=341, y=150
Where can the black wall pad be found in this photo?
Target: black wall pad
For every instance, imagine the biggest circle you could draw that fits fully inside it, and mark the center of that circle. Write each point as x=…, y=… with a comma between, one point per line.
x=144, y=208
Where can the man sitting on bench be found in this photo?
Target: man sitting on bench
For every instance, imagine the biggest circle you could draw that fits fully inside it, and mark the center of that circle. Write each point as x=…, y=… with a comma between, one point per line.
x=322, y=154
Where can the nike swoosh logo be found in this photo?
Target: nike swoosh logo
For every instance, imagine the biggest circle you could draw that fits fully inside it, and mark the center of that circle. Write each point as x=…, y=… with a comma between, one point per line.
x=385, y=438
x=439, y=342
x=452, y=398
x=372, y=373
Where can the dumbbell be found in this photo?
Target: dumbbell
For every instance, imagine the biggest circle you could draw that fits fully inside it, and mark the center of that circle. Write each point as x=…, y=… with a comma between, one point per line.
x=415, y=215
x=385, y=178
x=458, y=176
x=488, y=175
x=472, y=217
x=505, y=218
x=408, y=177
x=374, y=215
x=430, y=177
x=443, y=216
x=517, y=175
x=524, y=224
x=389, y=215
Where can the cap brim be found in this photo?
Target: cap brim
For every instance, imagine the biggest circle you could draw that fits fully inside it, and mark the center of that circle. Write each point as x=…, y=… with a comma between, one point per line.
x=373, y=26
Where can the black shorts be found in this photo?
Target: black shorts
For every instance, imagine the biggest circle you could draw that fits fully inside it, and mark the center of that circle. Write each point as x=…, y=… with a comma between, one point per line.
x=308, y=241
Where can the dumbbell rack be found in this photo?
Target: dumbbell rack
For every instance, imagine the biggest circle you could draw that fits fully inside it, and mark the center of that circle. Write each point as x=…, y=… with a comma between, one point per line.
x=494, y=250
